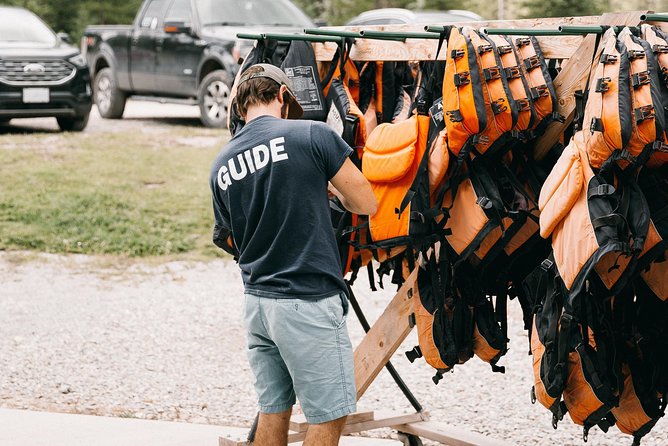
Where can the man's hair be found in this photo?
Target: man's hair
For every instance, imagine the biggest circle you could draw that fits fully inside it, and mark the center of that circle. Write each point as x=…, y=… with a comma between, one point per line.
x=257, y=91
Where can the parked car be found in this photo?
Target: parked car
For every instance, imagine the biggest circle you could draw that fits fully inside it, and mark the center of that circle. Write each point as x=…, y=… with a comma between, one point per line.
x=388, y=16
x=41, y=74
x=183, y=51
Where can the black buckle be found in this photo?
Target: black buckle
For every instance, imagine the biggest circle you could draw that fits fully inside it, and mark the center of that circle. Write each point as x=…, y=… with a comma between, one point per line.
x=642, y=113
x=499, y=106
x=522, y=41
x=596, y=125
x=524, y=104
x=660, y=49
x=635, y=54
x=503, y=49
x=513, y=72
x=546, y=264
x=602, y=84
x=531, y=63
x=454, y=115
x=482, y=49
x=456, y=54
x=640, y=79
x=608, y=58
x=462, y=78
x=602, y=190
x=660, y=146
x=484, y=202
x=539, y=92
x=491, y=73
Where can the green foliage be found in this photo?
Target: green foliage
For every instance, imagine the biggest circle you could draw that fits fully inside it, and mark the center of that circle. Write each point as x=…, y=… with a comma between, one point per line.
x=562, y=8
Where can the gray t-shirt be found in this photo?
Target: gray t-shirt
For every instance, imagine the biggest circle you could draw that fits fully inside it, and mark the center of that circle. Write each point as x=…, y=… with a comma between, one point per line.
x=269, y=186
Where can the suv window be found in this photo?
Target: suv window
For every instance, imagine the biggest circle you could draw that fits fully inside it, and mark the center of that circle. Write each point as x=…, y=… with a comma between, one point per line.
x=153, y=14
x=179, y=12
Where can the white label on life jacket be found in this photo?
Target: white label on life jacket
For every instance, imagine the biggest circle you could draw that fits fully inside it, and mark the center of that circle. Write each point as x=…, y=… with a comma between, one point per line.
x=334, y=120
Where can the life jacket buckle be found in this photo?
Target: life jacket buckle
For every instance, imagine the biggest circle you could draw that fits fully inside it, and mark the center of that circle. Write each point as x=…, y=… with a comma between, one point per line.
x=484, y=202
x=491, y=73
x=482, y=49
x=524, y=104
x=531, y=63
x=456, y=54
x=608, y=58
x=596, y=125
x=499, y=106
x=660, y=49
x=504, y=49
x=522, y=41
x=462, y=78
x=642, y=113
x=603, y=84
x=635, y=54
x=660, y=146
x=640, y=79
x=454, y=115
x=539, y=92
x=546, y=264
x=513, y=72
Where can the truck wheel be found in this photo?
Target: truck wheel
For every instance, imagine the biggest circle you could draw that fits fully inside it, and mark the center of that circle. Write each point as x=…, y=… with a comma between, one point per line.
x=213, y=98
x=73, y=124
x=109, y=99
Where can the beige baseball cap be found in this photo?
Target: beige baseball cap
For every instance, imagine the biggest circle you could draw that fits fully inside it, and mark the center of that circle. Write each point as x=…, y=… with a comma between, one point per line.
x=295, y=111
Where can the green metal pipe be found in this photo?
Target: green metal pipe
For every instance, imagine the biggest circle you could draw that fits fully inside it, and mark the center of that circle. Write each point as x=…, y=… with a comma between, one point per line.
x=654, y=17
x=522, y=32
x=397, y=35
x=434, y=29
x=581, y=30
x=288, y=37
x=331, y=32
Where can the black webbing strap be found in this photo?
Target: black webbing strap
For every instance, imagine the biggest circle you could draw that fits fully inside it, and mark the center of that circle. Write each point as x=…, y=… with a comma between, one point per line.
x=582, y=95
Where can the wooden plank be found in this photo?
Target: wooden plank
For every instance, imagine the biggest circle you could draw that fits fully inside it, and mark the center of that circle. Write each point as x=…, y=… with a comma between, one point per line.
x=558, y=47
x=298, y=422
x=382, y=419
x=386, y=335
x=574, y=77
x=345, y=441
x=449, y=436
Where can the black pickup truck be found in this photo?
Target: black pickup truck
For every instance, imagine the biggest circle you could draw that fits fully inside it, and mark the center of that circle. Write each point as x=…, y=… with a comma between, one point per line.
x=183, y=51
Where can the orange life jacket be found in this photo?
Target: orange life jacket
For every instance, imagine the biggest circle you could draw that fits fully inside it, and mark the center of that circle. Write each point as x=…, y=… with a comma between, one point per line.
x=658, y=41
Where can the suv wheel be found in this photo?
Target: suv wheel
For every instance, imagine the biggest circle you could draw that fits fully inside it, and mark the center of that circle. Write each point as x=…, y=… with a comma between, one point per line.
x=73, y=124
x=109, y=99
x=213, y=98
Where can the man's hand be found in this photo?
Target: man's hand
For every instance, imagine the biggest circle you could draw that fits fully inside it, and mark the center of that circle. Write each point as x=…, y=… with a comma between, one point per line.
x=354, y=191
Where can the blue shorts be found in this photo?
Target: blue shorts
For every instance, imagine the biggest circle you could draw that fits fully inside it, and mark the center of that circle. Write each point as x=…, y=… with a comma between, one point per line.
x=301, y=348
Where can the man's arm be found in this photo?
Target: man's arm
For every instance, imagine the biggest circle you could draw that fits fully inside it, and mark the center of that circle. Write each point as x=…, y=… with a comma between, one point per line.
x=354, y=190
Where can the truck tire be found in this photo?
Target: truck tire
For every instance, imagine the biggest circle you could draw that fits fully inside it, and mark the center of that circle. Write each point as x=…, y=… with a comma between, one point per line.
x=213, y=98
x=109, y=99
x=76, y=124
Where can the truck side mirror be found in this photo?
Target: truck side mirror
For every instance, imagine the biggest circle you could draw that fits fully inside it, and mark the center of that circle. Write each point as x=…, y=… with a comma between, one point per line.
x=64, y=37
x=178, y=28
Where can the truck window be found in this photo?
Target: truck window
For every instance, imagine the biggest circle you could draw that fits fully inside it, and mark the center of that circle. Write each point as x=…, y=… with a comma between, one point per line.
x=152, y=14
x=179, y=12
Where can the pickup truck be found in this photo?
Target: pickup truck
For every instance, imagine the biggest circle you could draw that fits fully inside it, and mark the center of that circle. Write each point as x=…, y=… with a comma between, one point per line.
x=182, y=51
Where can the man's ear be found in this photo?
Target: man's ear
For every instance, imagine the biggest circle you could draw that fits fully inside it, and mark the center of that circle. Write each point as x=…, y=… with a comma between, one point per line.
x=281, y=94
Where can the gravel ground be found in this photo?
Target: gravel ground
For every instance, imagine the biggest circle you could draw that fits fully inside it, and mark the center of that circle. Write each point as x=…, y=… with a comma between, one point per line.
x=106, y=336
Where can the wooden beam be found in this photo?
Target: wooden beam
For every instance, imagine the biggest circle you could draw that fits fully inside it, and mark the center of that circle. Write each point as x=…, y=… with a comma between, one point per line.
x=574, y=77
x=298, y=422
x=386, y=335
x=558, y=47
x=448, y=435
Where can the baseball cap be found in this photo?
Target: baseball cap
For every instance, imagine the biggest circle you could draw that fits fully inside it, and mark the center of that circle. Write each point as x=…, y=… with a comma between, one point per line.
x=276, y=74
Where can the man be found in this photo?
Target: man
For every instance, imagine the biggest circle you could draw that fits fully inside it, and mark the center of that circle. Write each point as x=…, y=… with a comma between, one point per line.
x=271, y=207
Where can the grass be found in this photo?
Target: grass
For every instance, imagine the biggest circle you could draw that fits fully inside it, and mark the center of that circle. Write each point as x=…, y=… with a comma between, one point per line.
x=137, y=193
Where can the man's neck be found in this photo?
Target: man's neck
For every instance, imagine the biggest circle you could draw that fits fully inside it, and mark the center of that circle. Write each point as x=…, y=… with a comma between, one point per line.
x=263, y=110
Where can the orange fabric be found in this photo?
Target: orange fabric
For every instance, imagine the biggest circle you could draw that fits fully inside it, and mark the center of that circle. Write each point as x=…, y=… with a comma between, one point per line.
x=535, y=79
x=605, y=106
x=439, y=161
x=660, y=46
x=528, y=230
x=561, y=189
x=537, y=352
x=467, y=218
x=492, y=239
x=424, y=322
x=493, y=91
x=630, y=414
x=390, y=162
x=516, y=85
x=644, y=132
x=482, y=349
x=459, y=98
x=578, y=394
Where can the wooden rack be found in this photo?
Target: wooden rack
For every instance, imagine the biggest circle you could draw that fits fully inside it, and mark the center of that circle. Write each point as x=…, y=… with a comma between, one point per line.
x=393, y=326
